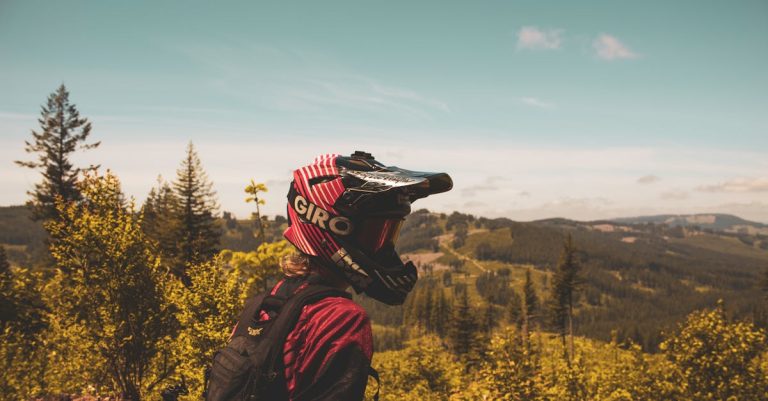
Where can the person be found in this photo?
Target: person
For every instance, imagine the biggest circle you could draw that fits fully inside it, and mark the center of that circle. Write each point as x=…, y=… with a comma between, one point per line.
x=344, y=216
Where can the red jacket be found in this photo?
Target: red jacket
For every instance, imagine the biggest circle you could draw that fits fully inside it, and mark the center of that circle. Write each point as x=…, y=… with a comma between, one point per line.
x=328, y=353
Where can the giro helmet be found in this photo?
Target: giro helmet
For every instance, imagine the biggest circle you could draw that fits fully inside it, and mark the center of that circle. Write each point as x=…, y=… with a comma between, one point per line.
x=346, y=213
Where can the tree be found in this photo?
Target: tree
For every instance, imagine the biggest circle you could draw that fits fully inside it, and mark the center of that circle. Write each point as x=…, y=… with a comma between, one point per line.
x=62, y=132
x=207, y=310
x=253, y=189
x=22, y=356
x=464, y=333
x=530, y=305
x=765, y=284
x=422, y=371
x=161, y=223
x=565, y=284
x=109, y=315
x=510, y=371
x=715, y=359
x=198, y=235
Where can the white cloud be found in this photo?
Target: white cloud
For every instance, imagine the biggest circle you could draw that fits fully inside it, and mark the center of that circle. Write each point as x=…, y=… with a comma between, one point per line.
x=536, y=102
x=759, y=184
x=648, y=179
x=531, y=37
x=610, y=48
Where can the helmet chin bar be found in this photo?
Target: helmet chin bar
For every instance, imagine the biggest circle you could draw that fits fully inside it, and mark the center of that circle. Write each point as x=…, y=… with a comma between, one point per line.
x=389, y=283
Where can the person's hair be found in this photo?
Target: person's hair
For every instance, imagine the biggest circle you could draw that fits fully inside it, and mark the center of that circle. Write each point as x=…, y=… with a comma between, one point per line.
x=295, y=264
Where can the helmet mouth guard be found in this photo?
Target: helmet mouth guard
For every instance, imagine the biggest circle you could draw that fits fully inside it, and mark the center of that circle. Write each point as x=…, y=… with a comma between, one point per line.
x=347, y=212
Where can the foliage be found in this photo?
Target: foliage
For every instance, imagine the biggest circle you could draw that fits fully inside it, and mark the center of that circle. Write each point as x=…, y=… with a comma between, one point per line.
x=260, y=268
x=510, y=371
x=425, y=370
x=718, y=360
x=54, y=144
x=108, y=313
x=253, y=189
x=22, y=359
x=206, y=310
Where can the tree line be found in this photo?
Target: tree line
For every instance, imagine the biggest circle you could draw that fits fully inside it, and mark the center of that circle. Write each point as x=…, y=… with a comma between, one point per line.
x=130, y=299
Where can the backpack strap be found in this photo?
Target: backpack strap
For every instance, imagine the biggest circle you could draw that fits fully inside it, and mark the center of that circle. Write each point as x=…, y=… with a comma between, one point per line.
x=249, y=317
x=286, y=320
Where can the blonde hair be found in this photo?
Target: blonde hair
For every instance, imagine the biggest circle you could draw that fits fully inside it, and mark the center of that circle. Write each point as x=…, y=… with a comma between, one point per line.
x=295, y=264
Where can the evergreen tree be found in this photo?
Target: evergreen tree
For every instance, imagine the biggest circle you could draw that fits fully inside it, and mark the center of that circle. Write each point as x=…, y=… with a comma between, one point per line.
x=530, y=306
x=565, y=284
x=765, y=284
x=7, y=301
x=442, y=313
x=489, y=319
x=62, y=132
x=161, y=223
x=198, y=233
x=465, y=333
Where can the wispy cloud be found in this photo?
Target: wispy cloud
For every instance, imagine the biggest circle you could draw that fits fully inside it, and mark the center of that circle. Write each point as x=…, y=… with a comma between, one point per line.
x=609, y=48
x=492, y=183
x=277, y=79
x=536, y=102
x=759, y=184
x=531, y=37
x=648, y=179
x=675, y=194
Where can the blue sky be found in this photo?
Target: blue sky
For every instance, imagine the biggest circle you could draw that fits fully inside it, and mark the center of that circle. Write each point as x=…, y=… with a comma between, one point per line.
x=538, y=109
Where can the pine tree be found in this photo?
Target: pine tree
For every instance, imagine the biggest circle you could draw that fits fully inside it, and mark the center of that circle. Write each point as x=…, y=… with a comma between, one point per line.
x=489, y=318
x=161, y=223
x=62, y=132
x=442, y=313
x=765, y=284
x=565, y=284
x=427, y=306
x=465, y=333
x=7, y=301
x=198, y=233
x=530, y=306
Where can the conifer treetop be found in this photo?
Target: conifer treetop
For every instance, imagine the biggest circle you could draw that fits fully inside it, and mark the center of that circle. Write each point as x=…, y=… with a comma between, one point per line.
x=62, y=132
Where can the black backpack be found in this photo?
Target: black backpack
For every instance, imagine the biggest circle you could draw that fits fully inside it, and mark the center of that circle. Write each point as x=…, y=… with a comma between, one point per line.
x=250, y=367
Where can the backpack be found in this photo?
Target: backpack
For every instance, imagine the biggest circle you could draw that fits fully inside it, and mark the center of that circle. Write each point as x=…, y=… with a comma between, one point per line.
x=250, y=367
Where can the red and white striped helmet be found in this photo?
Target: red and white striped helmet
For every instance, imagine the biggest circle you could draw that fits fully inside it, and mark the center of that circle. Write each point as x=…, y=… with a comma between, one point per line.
x=346, y=213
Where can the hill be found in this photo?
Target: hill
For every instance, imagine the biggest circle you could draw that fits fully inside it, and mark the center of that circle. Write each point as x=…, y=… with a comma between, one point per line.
x=639, y=279
x=641, y=275
x=711, y=221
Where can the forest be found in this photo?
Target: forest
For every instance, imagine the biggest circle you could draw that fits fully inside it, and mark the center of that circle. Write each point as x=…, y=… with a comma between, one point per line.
x=103, y=295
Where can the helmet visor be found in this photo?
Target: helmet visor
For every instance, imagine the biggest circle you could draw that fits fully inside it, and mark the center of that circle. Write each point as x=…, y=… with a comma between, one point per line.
x=377, y=232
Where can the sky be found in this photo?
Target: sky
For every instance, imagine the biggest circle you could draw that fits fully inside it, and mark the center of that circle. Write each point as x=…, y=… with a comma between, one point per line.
x=585, y=110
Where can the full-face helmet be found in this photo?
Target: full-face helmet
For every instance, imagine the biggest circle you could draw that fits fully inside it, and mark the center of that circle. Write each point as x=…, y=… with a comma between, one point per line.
x=345, y=212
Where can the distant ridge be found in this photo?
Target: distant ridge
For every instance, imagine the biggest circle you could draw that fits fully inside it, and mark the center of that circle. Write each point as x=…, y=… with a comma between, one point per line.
x=713, y=221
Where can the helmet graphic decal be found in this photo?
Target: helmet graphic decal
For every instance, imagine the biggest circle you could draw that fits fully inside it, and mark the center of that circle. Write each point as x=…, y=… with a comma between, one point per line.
x=346, y=212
